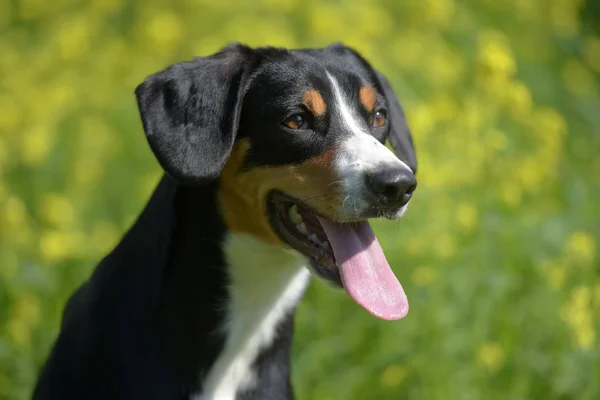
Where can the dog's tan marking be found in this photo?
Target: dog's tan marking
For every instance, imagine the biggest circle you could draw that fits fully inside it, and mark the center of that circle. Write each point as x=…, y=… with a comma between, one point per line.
x=243, y=194
x=367, y=97
x=313, y=100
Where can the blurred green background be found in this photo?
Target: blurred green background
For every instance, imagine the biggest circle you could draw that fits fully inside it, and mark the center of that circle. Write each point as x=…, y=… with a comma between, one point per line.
x=498, y=253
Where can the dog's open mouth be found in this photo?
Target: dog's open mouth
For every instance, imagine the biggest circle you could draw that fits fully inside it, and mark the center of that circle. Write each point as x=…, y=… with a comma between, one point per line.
x=347, y=254
x=299, y=226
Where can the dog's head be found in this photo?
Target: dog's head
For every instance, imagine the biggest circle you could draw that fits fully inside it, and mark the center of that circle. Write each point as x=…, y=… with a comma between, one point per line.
x=296, y=142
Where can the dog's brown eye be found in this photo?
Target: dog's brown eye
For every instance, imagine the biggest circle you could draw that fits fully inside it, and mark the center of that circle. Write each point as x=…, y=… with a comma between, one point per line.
x=379, y=119
x=296, y=121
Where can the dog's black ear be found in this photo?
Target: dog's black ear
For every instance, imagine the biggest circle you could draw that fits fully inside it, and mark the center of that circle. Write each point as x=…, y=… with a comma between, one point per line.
x=399, y=135
x=190, y=113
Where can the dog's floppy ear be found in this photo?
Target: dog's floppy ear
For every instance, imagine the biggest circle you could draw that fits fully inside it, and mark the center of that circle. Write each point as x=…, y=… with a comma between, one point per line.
x=190, y=113
x=399, y=135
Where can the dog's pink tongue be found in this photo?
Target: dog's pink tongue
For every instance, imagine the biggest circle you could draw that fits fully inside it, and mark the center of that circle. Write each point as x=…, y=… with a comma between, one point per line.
x=366, y=274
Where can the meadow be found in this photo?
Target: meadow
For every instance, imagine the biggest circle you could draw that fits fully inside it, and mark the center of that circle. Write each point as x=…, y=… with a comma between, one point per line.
x=498, y=252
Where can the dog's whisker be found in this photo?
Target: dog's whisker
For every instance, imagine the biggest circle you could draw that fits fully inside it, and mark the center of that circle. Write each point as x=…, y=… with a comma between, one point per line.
x=311, y=198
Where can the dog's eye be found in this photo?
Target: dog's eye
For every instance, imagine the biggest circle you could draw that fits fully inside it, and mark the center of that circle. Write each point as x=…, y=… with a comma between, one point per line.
x=296, y=121
x=379, y=119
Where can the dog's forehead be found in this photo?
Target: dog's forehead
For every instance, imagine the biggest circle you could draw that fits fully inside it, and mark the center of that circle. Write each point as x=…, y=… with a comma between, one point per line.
x=297, y=70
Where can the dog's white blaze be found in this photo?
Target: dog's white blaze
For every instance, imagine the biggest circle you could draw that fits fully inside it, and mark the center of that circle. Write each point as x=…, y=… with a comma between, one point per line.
x=358, y=154
x=266, y=283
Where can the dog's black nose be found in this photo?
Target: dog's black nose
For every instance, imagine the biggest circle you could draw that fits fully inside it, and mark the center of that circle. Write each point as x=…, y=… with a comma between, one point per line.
x=392, y=187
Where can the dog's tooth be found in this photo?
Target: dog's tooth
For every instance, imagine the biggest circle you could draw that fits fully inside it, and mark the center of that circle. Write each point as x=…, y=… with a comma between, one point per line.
x=295, y=216
x=302, y=228
x=313, y=238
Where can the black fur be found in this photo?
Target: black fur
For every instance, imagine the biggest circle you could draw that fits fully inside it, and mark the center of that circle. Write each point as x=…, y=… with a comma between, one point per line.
x=190, y=113
x=144, y=326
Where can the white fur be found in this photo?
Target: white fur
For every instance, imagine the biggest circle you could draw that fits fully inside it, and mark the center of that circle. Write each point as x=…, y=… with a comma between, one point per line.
x=359, y=153
x=266, y=283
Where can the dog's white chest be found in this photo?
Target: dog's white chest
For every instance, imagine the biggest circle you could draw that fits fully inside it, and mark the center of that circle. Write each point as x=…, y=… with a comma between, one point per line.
x=266, y=283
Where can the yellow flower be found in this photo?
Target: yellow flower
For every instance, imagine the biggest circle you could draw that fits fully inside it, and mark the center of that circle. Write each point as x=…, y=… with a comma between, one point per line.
x=444, y=107
x=407, y=50
x=73, y=37
x=532, y=173
x=438, y=12
x=580, y=249
x=475, y=114
x=165, y=30
x=11, y=114
x=24, y=315
x=15, y=212
x=371, y=22
x=490, y=356
x=467, y=216
x=581, y=296
x=393, y=376
x=548, y=126
x=60, y=94
x=495, y=55
x=577, y=313
x=422, y=120
x=26, y=308
x=556, y=277
x=519, y=101
x=325, y=22
x=56, y=210
x=511, y=193
x=19, y=332
x=57, y=246
x=36, y=143
x=95, y=142
x=586, y=336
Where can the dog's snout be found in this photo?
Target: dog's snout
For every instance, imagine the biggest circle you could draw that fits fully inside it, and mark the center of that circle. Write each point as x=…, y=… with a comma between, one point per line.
x=392, y=187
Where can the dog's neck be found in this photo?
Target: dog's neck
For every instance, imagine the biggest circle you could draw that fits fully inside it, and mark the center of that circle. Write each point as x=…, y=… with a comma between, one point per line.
x=225, y=311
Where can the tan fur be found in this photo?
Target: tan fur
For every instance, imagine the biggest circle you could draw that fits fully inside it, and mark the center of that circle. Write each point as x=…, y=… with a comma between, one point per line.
x=243, y=194
x=313, y=100
x=367, y=97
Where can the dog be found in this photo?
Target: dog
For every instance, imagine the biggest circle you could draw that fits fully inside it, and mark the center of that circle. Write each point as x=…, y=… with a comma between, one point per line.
x=273, y=161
